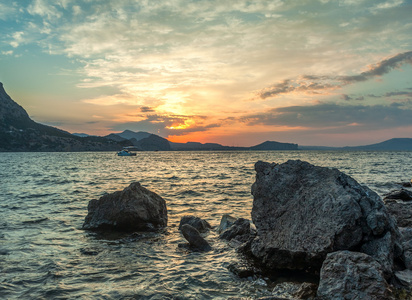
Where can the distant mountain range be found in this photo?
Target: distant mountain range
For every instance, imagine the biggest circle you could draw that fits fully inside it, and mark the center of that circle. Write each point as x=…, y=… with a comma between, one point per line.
x=395, y=144
x=18, y=132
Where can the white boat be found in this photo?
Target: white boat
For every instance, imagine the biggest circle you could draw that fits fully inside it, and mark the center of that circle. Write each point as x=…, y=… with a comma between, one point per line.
x=126, y=152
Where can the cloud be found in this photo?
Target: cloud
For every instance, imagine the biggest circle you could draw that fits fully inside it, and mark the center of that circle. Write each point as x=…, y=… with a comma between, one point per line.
x=319, y=83
x=44, y=8
x=391, y=94
x=325, y=115
x=7, y=11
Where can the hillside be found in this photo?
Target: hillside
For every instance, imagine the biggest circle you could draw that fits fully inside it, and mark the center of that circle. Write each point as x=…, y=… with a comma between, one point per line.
x=395, y=144
x=18, y=132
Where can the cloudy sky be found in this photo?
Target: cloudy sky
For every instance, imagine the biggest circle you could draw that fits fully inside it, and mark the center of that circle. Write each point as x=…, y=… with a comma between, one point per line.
x=312, y=72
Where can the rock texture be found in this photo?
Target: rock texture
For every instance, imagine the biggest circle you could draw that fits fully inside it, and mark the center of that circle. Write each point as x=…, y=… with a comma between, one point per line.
x=240, y=231
x=198, y=223
x=225, y=223
x=407, y=247
x=196, y=241
x=402, y=212
x=401, y=194
x=133, y=209
x=352, y=275
x=399, y=205
x=303, y=212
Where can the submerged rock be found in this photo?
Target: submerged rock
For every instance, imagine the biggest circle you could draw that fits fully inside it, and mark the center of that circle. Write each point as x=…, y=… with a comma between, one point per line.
x=352, y=275
x=198, y=223
x=196, y=241
x=133, y=209
x=303, y=212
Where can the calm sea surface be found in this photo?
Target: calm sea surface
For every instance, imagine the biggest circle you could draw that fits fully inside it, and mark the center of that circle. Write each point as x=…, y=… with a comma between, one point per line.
x=44, y=254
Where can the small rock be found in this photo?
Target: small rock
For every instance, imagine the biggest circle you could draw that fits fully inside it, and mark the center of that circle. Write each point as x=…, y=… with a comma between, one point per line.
x=198, y=223
x=240, y=231
x=295, y=290
x=401, y=194
x=225, y=223
x=352, y=275
x=306, y=290
x=404, y=277
x=196, y=241
x=90, y=252
x=243, y=269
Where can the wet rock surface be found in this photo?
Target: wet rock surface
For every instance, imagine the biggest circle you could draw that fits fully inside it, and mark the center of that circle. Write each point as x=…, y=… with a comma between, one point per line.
x=352, y=275
x=240, y=231
x=196, y=241
x=303, y=212
x=407, y=247
x=295, y=290
x=133, y=209
x=225, y=222
x=402, y=194
x=196, y=222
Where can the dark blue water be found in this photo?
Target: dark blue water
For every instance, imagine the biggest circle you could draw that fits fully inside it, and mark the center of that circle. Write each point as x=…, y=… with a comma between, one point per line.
x=44, y=254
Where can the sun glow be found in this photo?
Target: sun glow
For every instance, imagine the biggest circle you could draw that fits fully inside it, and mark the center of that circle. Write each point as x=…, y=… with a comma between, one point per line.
x=179, y=125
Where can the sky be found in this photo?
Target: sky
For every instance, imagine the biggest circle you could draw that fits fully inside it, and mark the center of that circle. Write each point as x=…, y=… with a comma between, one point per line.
x=238, y=73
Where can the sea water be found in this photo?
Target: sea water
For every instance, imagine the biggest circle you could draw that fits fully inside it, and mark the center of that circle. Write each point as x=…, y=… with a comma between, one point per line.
x=44, y=253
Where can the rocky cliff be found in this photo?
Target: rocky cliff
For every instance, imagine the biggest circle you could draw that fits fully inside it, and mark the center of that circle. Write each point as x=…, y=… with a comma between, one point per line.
x=18, y=132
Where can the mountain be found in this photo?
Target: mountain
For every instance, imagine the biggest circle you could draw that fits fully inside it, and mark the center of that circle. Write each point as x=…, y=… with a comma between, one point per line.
x=195, y=146
x=395, y=144
x=128, y=134
x=269, y=145
x=18, y=132
x=153, y=143
x=81, y=134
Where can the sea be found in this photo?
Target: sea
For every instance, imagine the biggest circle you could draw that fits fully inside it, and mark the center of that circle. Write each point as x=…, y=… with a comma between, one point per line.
x=45, y=254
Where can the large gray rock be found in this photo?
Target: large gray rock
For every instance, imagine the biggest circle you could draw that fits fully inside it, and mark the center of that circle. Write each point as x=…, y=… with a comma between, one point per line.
x=303, y=212
x=352, y=275
x=133, y=209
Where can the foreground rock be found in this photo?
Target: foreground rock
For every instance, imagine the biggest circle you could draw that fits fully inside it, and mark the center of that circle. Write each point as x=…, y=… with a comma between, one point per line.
x=133, y=209
x=303, y=212
x=196, y=241
x=198, y=223
x=407, y=247
x=352, y=275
